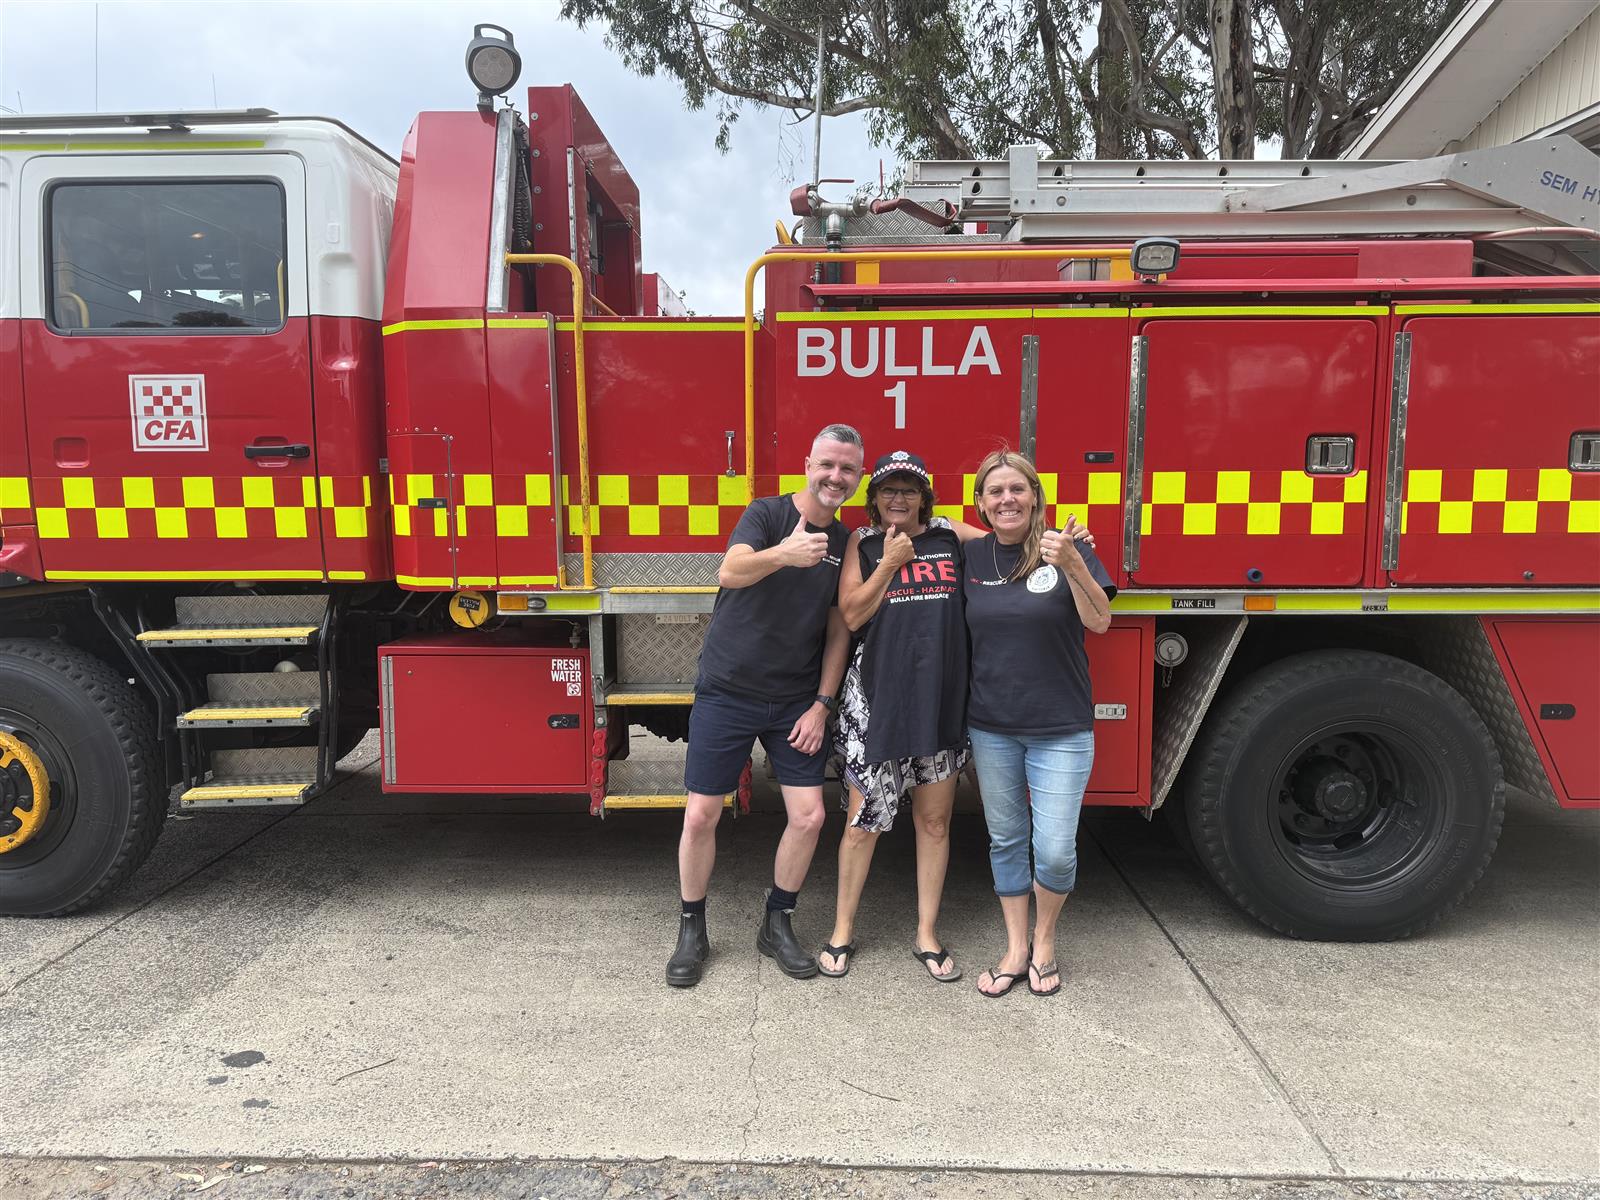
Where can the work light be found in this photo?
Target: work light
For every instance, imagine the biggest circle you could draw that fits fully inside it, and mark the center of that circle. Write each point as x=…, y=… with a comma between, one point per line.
x=493, y=63
x=1154, y=256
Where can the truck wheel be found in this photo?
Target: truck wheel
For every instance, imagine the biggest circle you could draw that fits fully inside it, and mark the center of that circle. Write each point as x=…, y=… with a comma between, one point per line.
x=79, y=745
x=1345, y=795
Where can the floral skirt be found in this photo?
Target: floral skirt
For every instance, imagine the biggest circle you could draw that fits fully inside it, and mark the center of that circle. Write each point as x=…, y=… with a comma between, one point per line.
x=884, y=786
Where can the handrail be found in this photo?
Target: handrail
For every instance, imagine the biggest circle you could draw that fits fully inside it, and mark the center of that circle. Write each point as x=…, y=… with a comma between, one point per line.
x=824, y=255
x=561, y=260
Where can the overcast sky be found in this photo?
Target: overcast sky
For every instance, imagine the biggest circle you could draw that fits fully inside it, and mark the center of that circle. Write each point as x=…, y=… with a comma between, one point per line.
x=375, y=65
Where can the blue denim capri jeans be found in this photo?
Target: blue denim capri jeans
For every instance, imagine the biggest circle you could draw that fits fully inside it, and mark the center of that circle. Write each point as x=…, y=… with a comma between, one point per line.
x=1052, y=769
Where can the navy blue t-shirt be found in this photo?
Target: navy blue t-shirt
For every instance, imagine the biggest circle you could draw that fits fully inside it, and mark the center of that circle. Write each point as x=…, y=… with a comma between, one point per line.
x=1030, y=672
x=766, y=640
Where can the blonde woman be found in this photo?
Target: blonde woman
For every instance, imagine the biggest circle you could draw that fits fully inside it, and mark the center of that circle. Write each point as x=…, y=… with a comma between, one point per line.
x=1030, y=592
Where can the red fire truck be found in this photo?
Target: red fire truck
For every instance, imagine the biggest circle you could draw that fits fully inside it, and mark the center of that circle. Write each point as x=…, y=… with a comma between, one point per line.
x=301, y=442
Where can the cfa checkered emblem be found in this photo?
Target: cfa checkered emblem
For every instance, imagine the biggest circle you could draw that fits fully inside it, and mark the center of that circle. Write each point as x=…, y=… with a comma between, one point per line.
x=169, y=412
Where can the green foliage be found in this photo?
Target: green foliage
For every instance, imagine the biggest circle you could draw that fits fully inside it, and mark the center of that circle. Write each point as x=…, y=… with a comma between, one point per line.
x=1087, y=78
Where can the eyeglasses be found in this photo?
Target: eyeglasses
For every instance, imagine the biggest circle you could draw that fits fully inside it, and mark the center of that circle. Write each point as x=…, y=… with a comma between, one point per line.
x=899, y=493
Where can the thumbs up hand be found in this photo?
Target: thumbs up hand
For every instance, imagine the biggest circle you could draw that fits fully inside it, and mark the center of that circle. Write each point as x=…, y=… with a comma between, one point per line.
x=802, y=549
x=897, y=548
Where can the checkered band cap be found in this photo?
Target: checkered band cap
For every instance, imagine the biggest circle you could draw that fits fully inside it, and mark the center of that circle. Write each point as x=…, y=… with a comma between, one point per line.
x=900, y=462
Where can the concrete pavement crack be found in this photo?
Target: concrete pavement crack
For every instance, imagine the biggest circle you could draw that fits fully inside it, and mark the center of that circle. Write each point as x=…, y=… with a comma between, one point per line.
x=755, y=1087
x=1274, y=1082
x=352, y=776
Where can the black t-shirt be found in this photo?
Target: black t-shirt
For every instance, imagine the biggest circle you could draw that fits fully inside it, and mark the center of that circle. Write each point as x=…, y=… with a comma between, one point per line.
x=766, y=640
x=914, y=658
x=1030, y=672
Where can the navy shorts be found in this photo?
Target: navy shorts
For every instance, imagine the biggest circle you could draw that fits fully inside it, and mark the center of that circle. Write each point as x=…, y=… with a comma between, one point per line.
x=723, y=726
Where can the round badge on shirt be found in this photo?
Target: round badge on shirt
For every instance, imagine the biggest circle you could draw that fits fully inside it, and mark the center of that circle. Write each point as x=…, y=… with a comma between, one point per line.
x=1042, y=580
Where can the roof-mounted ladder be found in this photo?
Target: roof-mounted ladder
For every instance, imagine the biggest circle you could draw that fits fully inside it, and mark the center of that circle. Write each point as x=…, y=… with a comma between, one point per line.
x=1546, y=182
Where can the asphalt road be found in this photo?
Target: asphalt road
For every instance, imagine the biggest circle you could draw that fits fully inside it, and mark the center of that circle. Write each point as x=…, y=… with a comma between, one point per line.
x=461, y=978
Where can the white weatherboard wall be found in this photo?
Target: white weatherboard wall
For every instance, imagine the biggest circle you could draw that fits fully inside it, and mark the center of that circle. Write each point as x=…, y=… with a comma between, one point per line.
x=1566, y=82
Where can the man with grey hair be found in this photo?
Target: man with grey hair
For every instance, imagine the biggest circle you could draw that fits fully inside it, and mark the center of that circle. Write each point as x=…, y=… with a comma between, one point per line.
x=770, y=668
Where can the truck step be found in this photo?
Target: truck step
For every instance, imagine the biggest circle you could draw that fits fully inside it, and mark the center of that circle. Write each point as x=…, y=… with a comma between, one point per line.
x=227, y=620
x=622, y=803
x=246, y=716
x=249, y=792
x=650, y=693
x=256, y=699
x=259, y=777
x=263, y=635
x=637, y=784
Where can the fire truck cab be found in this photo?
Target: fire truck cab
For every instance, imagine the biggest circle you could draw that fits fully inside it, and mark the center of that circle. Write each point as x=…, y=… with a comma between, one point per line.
x=301, y=442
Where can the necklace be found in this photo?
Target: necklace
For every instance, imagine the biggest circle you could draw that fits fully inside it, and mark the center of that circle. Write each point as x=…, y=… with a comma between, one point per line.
x=994, y=560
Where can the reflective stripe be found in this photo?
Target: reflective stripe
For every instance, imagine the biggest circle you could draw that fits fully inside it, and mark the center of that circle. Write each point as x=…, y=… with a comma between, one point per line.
x=1388, y=601
x=448, y=323
x=171, y=507
x=1267, y=310
x=1254, y=503
x=923, y=314
x=643, y=326
x=1499, y=500
x=1525, y=310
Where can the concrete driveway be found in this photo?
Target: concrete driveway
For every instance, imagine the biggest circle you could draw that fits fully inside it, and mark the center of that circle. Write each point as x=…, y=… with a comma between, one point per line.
x=468, y=978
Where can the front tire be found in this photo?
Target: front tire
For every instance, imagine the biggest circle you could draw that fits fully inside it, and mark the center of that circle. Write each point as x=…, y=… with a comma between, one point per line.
x=1345, y=796
x=94, y=739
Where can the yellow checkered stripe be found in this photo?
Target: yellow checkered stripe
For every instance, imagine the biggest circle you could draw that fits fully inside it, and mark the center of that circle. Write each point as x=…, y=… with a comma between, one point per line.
x=1500, y=500
x=186, y=506
x=1205, y=503
x=497, y=505
x=657, y=505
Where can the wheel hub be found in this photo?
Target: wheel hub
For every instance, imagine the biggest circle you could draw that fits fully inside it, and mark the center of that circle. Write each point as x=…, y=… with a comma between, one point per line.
x=1332, y=791
x=24, y=792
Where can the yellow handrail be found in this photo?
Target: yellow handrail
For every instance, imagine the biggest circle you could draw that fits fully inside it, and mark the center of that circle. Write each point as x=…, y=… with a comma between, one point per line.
x=561, y=260
x=822, y=255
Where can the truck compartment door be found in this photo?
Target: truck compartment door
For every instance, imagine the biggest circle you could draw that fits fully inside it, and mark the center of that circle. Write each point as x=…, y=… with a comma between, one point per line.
x=1496, y=487
x=1257, y=448
x=1552, y=667
x=166, y=368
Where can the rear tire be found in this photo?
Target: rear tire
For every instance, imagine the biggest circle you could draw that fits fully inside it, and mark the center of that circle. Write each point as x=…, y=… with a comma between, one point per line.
x=97, y=741
x=1345, y=796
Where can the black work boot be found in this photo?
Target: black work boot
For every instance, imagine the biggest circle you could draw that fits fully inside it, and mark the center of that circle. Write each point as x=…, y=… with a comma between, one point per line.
x=683, y=968
x=777, y=941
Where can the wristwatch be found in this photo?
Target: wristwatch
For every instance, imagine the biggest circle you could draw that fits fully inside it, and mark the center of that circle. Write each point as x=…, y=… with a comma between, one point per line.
x=827, y=702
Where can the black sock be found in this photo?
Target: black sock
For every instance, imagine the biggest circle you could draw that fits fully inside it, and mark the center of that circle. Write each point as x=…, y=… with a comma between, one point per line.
x=695, y=908
x=779, y=900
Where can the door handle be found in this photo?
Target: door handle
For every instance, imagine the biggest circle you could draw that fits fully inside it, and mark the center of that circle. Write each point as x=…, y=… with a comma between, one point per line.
x=293, y=450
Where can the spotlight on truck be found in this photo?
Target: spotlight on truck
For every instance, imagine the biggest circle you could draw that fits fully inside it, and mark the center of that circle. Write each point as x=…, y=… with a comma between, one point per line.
x=1155, y=256
x=493, y=63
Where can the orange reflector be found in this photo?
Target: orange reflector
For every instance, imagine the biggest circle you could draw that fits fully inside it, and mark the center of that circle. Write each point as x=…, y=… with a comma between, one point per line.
x=1260, y=603
x=511, y=603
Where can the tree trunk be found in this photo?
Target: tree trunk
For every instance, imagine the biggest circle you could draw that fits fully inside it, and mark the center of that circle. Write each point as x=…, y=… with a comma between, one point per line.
x=1232, y=67
x=1113, y=134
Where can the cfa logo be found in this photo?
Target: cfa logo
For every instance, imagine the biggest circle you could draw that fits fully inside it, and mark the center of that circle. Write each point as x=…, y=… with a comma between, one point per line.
x=169, y=412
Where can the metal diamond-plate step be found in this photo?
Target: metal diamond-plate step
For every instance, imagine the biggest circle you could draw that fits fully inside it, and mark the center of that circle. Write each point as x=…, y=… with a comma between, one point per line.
x=256, y=699
x=244, y=635
x=246, y=716
x=249, y=791
x=262, y=776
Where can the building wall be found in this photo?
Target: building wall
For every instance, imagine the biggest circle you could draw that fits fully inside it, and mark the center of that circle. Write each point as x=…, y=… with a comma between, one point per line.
x=1566, y=81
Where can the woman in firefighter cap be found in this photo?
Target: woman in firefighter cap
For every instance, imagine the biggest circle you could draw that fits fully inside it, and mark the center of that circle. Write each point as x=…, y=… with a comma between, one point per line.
x=902, y=708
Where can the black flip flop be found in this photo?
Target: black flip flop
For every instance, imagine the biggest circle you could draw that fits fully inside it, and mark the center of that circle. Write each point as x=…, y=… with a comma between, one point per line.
x=1010, y=977
x=1049, y=968
x=848, y=949
x=930, y=958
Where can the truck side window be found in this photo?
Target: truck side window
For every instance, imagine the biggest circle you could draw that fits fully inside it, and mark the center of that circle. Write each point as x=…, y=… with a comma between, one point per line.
x=164, y=255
